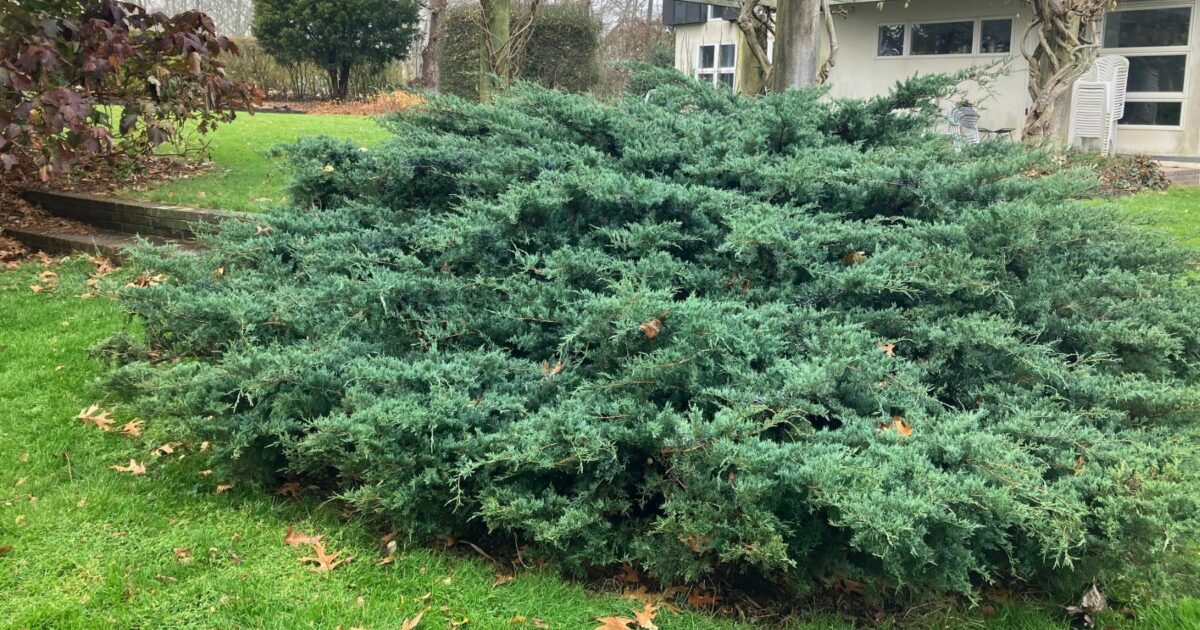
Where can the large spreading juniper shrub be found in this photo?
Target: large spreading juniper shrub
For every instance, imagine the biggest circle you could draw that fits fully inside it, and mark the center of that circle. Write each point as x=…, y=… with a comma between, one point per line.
x=700, y=332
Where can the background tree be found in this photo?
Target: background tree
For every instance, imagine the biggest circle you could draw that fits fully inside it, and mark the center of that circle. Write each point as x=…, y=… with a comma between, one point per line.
x=500, y=44
x=233, y=18
x=337, y=35
x=63, y=62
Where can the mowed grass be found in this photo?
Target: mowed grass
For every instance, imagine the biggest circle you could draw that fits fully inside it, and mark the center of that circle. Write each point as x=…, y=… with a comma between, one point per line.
x=97, y=548
x=244, y=176
x=92, y=547
x=1176, y=211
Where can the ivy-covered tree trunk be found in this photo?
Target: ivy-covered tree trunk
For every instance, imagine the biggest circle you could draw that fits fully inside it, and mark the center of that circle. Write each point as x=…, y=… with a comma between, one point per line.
x=495, y=61
x=1061, y=44
x=754, y=22
x=797, y=44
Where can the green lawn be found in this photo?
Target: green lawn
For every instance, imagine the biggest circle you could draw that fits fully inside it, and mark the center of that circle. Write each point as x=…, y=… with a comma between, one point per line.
x=96, y=548
x=1176, y=211
x=244, y=177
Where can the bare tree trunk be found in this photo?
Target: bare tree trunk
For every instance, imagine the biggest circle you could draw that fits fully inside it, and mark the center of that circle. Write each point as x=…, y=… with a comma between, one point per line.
x=797, y=44
x=429, y=59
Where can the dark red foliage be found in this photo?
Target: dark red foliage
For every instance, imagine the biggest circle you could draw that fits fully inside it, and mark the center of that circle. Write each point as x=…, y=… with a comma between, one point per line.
x=65, y=63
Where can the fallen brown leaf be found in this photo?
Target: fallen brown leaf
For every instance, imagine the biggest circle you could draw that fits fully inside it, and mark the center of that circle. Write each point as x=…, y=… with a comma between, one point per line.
x=502, y=579
x=614, y=623
x=133, y=428
x=628, y=574
x=295, y=538
x=651, y=328
x=324, y=560
x=224, y=487
x=645, y=616
x=6, y=549
x=183, y=555
x=899, y=425
x=409, y=624
x=95, y=415
x=133, y=468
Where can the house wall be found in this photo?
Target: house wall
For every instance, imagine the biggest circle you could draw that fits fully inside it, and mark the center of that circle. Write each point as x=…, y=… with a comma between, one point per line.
x=861, y=72
x=689, y=38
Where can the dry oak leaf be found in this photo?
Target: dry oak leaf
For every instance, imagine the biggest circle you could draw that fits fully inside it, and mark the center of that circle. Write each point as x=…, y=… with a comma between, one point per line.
x=645, y=617
x=224, y=487
x=538, y=623
x=503, y=578
x=652, y=328
x=702, y=599
x=899, y=425
x=324, y=560
x=133, y=428
x=409, y=624
x=289, y=489
x=133, y=468
x=853, y=258
x=551, y=372
x=888, y=348
x=167, y=449
x=94, y=415
x=614, y=623
x=295, y=538
x=183, y=555
x=628, y=574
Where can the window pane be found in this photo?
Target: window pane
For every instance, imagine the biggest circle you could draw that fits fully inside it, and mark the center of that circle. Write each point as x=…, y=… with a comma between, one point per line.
x=1157, y=74
x=1148, y=27
x=948, y=38
x=891, y=40
x=707, y=77
x=728, y=55
x=715, y=12
x=708, y=56
x=726, y=79
x=995, y=36
x=1168, y=114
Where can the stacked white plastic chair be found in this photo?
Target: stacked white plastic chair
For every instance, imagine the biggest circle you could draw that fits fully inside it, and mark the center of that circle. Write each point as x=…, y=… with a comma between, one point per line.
x=964, y=125
x=1098, y=102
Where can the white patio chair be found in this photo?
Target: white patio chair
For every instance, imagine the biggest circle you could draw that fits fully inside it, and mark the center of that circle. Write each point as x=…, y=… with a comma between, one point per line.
x=1109, y=74
x=964, y=125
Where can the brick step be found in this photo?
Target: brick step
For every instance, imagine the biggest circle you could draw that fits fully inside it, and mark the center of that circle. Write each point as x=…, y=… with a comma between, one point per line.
x=128, y=217
x=105, y=242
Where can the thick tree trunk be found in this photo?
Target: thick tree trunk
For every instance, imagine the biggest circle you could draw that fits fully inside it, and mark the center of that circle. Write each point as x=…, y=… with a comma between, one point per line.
x=496, y=50
x=429, y=59
x=797, y=44
x=344, y=82
x=755, y=68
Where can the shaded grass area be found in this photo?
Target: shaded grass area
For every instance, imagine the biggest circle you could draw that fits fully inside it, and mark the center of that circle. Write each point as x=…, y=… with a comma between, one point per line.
x=95, y=548
x=244, y=176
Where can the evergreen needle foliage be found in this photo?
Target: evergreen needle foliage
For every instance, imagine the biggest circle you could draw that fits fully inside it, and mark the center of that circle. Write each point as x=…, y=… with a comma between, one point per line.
x=782, y=337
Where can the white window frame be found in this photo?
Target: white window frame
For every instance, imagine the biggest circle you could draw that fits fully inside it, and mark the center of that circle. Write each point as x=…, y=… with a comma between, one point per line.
x=1159, y=51
x=976, y=38
x=717, y=69
x=712, y=8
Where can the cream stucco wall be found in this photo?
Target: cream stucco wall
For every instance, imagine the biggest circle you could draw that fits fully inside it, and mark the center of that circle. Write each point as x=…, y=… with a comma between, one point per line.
x=861, y=73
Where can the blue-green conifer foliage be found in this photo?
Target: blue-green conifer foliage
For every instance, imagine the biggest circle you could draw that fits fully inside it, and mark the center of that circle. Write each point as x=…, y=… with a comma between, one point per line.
x=789, y=337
